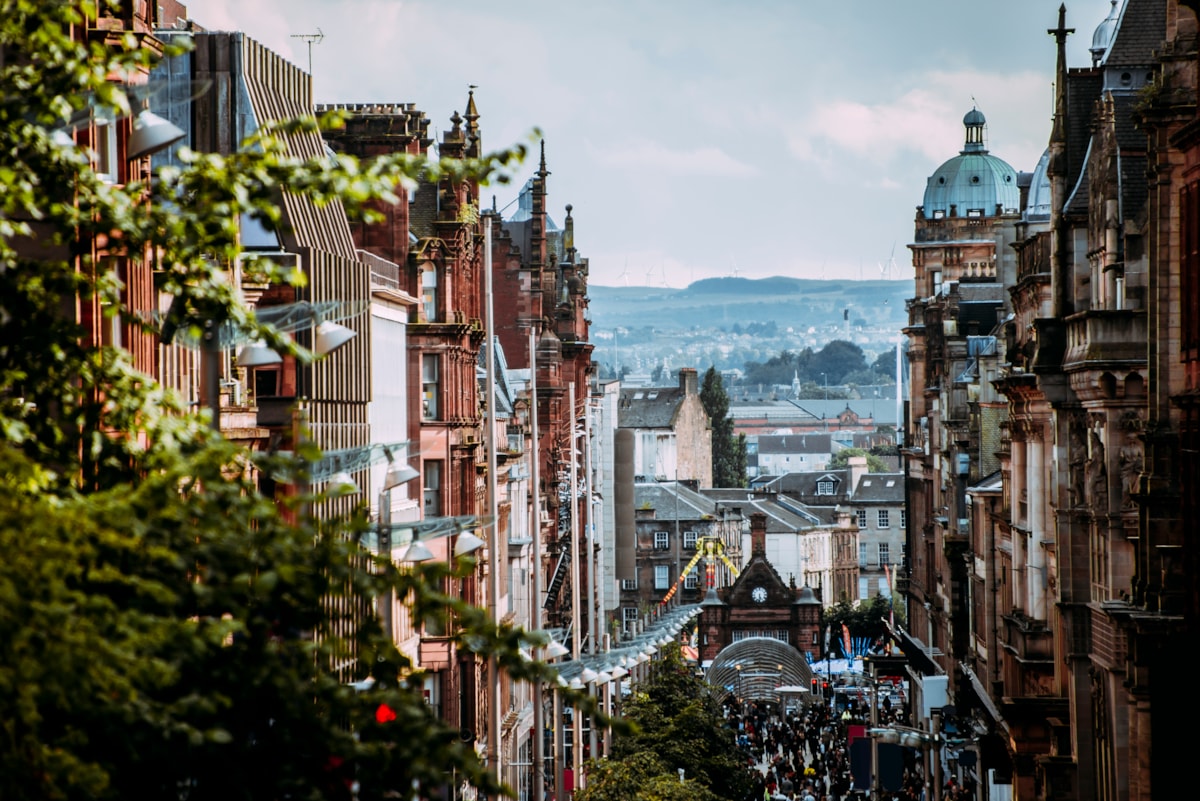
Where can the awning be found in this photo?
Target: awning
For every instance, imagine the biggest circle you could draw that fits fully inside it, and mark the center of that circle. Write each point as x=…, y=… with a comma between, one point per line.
x=914, y=649
x=981, y=692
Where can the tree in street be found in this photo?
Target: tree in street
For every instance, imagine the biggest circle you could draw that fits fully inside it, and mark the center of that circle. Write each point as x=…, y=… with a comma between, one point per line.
x=728, y=449
x=169, y=629
x=677, y=724
x=841, y=460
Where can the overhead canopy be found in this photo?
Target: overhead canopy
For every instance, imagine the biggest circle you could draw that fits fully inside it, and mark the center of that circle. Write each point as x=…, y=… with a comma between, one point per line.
x=755, y=668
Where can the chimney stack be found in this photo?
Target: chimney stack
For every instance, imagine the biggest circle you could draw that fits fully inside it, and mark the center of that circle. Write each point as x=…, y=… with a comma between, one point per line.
x=758, y=534
x=688, y=381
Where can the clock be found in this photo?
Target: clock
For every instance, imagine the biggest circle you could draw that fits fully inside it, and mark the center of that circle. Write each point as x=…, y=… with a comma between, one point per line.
x=759, y=594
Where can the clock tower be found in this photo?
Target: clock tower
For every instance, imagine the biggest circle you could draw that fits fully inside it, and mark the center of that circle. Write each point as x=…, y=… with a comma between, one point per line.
x=759, y=604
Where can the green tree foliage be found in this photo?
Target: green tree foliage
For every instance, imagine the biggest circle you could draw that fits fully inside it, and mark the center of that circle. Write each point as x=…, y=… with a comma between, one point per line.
x=832, y=365
x=864, y=619
x=677, y=724
x=728, y=449
x=836, y=361
x=167, y=628
x=841, y=460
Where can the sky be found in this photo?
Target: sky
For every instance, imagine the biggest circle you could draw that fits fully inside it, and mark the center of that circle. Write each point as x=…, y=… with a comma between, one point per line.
x=703, y=138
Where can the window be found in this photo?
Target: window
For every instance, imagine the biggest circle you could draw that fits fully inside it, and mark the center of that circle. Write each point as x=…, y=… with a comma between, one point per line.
x=430, y=374
x=433, y=486
x=105, y=148
x=662, y=577
x=864, y=588
x=885, y=553
x=629, y=584
x=429, y=293
x=883, y=518
x=903, y=519
x=825, y=486
x=693, y=580
x=662, y=540
x=689, y=539
x=862, y=554
x=862, y=518
x=629, y=617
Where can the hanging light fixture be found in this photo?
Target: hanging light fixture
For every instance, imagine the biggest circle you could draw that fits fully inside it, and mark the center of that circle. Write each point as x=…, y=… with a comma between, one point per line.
x=556, y=649
x=151, y=133
x=257, y=354
x=330, y=336
x=467, y=543
x=341, y=484
x=417, y=551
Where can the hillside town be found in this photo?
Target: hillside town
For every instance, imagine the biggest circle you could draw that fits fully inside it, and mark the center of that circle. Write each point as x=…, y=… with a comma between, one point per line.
x=958, y=570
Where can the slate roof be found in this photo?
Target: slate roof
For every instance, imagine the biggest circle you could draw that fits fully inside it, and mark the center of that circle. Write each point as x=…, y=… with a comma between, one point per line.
x=1140, y=31
x=880, y=488
x=795, y=443
x=803, y=486
x=672, y=500
x=780, y=519
x=648, y=407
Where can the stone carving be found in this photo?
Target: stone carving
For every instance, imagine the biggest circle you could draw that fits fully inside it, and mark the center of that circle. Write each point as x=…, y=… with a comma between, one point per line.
x=1097, y=475
x=1129, y=458
x=1077, y=458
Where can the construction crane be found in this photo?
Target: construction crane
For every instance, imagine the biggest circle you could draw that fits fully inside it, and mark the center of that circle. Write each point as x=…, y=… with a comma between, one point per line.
x=710, y=549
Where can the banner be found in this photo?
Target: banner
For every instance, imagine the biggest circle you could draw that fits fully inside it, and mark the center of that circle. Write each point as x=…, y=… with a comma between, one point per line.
x=849, y=650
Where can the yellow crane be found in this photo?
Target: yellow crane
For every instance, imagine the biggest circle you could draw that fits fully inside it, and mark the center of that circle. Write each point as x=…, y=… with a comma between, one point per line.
x=710, y=549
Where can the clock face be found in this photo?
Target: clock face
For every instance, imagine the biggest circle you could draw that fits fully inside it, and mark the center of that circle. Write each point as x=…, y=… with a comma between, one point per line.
x=759, y=594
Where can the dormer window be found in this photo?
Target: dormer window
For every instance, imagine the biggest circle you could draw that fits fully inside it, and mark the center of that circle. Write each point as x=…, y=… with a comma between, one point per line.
x=825, y=486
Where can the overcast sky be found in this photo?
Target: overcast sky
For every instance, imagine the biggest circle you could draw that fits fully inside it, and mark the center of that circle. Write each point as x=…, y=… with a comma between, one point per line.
x=696, y=138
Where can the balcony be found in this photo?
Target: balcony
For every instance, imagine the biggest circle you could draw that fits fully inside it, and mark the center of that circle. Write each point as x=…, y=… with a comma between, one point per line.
x=1100, y=340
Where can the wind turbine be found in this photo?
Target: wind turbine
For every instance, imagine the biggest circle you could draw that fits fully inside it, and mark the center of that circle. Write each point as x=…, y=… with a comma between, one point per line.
x=625, y=273
x=886, y=268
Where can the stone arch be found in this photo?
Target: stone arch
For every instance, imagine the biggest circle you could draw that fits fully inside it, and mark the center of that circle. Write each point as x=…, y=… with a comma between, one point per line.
x=765, y=665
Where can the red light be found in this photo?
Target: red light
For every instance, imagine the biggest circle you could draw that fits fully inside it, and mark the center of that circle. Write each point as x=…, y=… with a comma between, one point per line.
x=384, y=714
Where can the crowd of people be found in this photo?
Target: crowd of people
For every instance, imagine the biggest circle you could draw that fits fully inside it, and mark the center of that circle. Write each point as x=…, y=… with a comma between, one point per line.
x=802, y=753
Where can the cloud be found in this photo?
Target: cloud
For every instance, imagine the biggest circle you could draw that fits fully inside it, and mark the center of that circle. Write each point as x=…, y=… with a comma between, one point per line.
x=925, y=120
x=698, y=161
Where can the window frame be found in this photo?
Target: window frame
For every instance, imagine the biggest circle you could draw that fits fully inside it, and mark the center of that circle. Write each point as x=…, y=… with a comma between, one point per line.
x=662, y=577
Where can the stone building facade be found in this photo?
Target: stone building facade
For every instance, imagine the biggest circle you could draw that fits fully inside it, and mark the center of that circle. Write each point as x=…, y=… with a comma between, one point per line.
x=1046, y=442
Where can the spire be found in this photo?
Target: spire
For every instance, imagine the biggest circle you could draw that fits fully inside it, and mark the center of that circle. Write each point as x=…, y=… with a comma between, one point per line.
x=569, y=235
x=472, y=119
x=1059, y=132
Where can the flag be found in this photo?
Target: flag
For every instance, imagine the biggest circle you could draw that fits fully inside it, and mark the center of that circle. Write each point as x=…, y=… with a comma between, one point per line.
x=887, y=574
x=846, y=641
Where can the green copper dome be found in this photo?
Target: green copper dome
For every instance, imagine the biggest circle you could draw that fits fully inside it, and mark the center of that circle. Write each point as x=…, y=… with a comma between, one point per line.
x=973, y=183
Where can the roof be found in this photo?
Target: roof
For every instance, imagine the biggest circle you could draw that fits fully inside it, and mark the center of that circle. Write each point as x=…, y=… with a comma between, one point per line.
x=795, y=443
x=803, y=486
x=974, y=182
x=672, y=500
x=780, y=519
x=648, y=407
x=880, y=488
x=1140, y=31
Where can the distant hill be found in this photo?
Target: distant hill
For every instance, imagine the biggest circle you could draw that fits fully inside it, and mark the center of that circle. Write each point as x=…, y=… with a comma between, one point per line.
x=721, y=302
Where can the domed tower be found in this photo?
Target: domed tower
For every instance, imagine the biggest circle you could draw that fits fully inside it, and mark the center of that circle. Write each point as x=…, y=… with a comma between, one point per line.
x=964, y=225
x=974, y=183
x=964, y=262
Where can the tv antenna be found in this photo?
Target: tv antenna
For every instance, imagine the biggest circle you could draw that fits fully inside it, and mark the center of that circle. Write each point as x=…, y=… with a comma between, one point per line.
x=310, y=39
